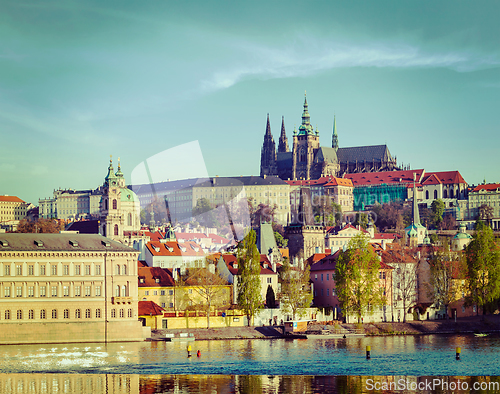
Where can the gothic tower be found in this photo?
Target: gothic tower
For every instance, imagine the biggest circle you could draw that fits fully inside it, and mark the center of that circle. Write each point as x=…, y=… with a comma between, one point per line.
x=283, y=142
x=305, y=146
x=268, y=164
x=335, y=137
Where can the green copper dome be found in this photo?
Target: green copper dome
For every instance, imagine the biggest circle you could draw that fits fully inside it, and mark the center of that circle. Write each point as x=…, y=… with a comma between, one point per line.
x=128, y=195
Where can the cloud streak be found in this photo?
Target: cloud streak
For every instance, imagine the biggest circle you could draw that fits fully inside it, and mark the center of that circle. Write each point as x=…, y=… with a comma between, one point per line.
x=301, y=60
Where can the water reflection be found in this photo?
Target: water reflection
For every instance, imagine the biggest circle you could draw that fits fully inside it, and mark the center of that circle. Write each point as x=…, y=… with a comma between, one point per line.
x=180, y=384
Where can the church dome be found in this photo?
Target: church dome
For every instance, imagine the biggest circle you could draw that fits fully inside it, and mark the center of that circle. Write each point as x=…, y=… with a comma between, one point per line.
x=128, y=195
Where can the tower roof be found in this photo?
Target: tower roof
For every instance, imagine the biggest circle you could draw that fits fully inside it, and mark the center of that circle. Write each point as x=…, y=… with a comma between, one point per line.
x=335, y=137
x=111, y=171
x=306, y=128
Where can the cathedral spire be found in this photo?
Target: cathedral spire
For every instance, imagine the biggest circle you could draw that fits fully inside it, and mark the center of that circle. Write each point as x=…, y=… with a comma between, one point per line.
x=306, y=128
x=268, y=128
x=416, y=216
x=335, y=137
x=283, y=141
x=268, y=153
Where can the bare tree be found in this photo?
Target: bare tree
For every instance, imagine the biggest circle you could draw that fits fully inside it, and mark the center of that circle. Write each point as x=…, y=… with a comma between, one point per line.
x=406, y=284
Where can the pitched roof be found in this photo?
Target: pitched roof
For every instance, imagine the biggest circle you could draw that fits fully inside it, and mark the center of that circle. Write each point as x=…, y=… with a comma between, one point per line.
x=232, y=264
x=154, y=277
x=388, y=177
x=368, y=153
x=60, y=242
x=85, y=226
x=323, y=181
x=329, y=262
x=432, y=180
x=327, y=154
x=490, y=187
x=10, y=199
x=448, y=177
x=173, y=248
x=149, y=308
x=241, y=181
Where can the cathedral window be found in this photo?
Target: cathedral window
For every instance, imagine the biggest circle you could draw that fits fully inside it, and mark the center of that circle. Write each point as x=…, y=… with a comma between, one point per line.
x=116, y=229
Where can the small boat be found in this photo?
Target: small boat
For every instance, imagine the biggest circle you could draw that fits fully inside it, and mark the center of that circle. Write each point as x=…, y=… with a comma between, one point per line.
x=481, y=335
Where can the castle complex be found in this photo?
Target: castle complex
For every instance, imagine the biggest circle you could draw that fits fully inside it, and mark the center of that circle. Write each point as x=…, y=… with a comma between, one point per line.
x=309, y=160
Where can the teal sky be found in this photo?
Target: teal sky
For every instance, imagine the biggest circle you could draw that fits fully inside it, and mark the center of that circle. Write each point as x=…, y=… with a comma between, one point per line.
x=80, y=80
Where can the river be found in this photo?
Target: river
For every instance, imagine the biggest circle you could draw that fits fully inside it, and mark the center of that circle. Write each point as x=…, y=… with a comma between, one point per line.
x=248, y=365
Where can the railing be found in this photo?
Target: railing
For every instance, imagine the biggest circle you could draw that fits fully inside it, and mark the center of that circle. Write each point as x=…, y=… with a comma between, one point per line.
x=121, y=300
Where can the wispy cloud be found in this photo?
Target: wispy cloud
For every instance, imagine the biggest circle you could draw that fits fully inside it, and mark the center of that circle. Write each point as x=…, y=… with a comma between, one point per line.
x=303, y=59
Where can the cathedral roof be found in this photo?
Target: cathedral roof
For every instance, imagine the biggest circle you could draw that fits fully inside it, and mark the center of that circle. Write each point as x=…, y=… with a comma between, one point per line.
x=364, y=153
x=387, y=177
x=327, y=154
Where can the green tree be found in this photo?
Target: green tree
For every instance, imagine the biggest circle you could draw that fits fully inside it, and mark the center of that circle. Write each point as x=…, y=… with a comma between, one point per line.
x=357, y=278
x=483, y=268
x=486, y=213
x=270, y=297
x=437, y=211
x=40, y=226
x=280, y=240
x=447, y=272
x=248, y=259
x=296, y=292
x=361, y=219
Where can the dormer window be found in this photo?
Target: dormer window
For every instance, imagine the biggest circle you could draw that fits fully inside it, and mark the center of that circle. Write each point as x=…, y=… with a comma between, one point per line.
x=157, y=280
x=141, y=280
x=4, y=243
x=235, y=265
x=39, y=244
x=266, y=265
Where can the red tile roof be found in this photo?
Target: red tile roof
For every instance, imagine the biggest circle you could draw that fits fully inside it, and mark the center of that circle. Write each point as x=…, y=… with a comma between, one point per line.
x=154, y=277
x=149, y=308
x=432, y=180
x=490, y=187
x=386, y=236
x=10, y=199
x=388, y=177
x=231, y=261
x=173, y=248
x=448, y=177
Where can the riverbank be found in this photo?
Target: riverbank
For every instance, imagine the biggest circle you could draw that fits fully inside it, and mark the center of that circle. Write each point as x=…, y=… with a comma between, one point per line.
x=476, y=324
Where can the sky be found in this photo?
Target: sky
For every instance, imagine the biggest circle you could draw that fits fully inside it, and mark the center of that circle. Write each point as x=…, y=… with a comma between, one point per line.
x=83, y=80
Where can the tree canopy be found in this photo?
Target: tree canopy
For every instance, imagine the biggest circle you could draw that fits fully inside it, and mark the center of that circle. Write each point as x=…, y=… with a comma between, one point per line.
x=296, y=292
x=40, y=226
x=248, y=258
x=357, y=278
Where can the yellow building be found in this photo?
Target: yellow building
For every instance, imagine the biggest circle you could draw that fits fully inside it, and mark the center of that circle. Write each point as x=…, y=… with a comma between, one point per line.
x=12, y=210
x=58, y=288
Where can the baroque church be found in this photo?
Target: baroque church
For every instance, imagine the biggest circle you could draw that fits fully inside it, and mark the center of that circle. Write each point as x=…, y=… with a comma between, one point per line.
x=308, y=160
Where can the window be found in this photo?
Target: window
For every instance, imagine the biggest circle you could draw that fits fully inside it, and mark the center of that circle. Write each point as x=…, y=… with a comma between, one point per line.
x=163, y=305
x=31, y=314
x=170, y=292
x=122, y=312
x=19, y=314
x=54, y=291
x=7, y=315
x=162, y=292
x=315, y=276
x=98, y=291
x=117, y=291
x=54, y=313
x=328, y=292
x=321, y=277
x=97, y=313
x=327, y=276
x=19, y=291
x=117, y=270
x=66, y=314
x=31, y=270
x=124, y=270
x=7, y=270
x=129, y=313
x=42, y=270
x=87, y=313
x=78, y=269
x=155, y=292
x=87, y=269
x=66, y=291
x=115, y=204
x=116, y=229
x=78, y=291
x=333, y=291
x=42, y=314
x=98, y=269
x=53, y=269
x=19, y=269
x=146, y=292
x=43, y=291
x=113, y=312
x=87, y=291
x=171, y=305
x=31, y=291
x=78, y=314
x=190, y=291
x=269, y=280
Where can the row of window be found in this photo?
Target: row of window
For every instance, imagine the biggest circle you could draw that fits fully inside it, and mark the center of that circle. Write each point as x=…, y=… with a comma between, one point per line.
x=327, y=292
x=54, y=291
x=53, y=269
x=78, y=314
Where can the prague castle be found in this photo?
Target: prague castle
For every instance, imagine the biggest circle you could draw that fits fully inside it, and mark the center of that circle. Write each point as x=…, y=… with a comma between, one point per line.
x=308, y=160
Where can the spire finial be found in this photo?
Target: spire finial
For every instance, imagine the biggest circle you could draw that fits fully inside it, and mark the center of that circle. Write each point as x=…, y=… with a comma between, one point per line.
x=110, y=159
x=118, y=164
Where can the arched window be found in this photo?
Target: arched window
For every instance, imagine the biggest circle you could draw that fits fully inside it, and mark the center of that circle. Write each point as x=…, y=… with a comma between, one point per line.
x=302, y=154
x=427, y=194
x=31, y=314
x=116, y=229
x=117, y=291
x=124, y=291
x=435, y=194
x=66, y=313
x=104, y=230
x=129, y=221
x=451, y=193
x=98, y=313
x=113, y=312
x=117, y=269
x=78, y=314
x=19, y=314
x=87, y=313
x=115, y=204
x=42, y=314
x=122, y=313
x=54, y=313
x=445, y=194
x=124, y=270
x=130, y=313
